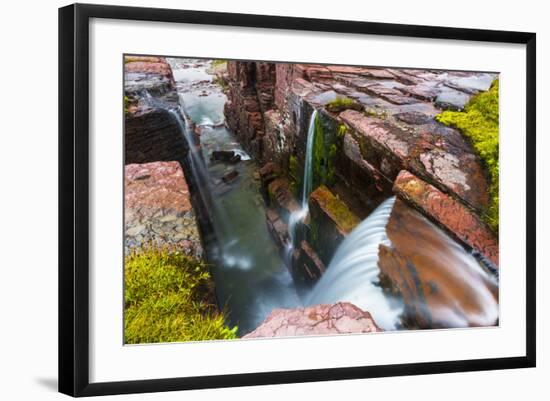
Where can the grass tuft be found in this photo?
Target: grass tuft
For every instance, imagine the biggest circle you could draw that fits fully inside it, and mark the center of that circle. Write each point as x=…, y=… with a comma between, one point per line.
x=169, y=297
x=479, y=123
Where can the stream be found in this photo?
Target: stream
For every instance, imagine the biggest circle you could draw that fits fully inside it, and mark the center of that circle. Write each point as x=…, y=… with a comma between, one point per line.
x=250, y=275
x=249, y=270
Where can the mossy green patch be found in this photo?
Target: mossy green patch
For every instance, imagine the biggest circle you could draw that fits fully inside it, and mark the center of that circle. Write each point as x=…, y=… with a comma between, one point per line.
x=335, y=208
x=342, y=103
x=169, y=297
x=325, y=151
x=217, y=62
x=342, y=129
x=479, y=123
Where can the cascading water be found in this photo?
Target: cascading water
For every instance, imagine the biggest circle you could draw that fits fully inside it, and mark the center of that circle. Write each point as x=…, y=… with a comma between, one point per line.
x=198, y=167
x=308, y=171
x=352, y=274
x=307, y=183
x=250, y=275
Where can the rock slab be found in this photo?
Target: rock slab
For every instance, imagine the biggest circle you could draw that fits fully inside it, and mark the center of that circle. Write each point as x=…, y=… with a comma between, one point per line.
x=449, y=213
x=158, y=208
x=339, y=318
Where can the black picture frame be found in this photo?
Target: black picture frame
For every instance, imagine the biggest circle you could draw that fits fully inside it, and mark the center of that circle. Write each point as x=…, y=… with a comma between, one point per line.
x=74, y=194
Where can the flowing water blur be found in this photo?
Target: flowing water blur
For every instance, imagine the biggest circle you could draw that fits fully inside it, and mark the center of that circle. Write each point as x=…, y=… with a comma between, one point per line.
x=307, y=186
x=250, y=275
x=352, y=274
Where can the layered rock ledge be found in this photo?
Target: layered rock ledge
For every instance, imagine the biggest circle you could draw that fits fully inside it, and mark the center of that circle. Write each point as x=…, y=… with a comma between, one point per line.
x=159, y=205
x=457, y=219
x=372, y=124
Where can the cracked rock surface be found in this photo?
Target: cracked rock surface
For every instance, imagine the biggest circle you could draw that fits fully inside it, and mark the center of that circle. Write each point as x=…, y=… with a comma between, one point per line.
x=158, y=208
x=339, y=318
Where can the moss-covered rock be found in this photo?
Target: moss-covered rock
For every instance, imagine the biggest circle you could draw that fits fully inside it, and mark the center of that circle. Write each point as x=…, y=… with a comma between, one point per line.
x=343, y=103
x=330, y=222
x=325, y=150
x=479, y=123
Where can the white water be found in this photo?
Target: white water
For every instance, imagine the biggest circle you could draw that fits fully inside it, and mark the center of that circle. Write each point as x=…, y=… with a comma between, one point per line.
x=198, y=167
x=308, y=171
x=352, y=274
x=307, y=183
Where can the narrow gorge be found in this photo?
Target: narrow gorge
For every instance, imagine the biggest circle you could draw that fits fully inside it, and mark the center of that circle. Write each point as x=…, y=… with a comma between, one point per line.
x=320, y=199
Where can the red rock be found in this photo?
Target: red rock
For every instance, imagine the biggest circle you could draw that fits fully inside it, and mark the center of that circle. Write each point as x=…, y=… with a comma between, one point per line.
x=157, y=185
x=147, y=59
x=317, y=72
x=448, y=213
x=441, y=284
x=268, y=172
x=450, y=167
x=307, y=265
x=151, y=68
x=276, y=227
x=281, y=197
x=376, y=130
x=339, y=318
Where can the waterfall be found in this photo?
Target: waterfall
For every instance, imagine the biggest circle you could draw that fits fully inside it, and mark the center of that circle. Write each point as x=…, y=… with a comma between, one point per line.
x=307, y=184
x=352, y=274
x=308, y=171
x=197, y=164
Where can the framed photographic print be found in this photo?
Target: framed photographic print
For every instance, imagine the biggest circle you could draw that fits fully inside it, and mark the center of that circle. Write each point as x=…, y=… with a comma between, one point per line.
x=249, y=199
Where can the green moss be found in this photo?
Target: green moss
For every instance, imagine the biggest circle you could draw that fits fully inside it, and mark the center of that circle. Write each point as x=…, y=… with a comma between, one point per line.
x=325, y=151
x=217, y=62
x=371, y=112
x=169, y=297
x=479, y=123
x=342, y=103
x=126, y=104
x=218, y=80
x=335, y=208
x=342, y=129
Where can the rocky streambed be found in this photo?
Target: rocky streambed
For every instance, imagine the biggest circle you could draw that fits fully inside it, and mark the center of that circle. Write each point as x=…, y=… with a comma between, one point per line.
x=217, y=158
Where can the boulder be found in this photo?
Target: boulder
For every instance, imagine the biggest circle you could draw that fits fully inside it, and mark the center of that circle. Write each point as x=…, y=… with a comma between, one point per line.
x=339, y=318
x=222, y=155
x=230, y=176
